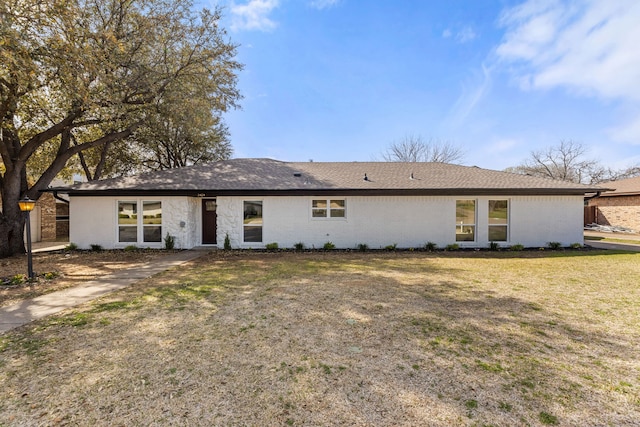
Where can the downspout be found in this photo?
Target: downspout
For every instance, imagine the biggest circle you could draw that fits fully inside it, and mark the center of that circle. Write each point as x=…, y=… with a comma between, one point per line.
x=55, y=196
x=586, y=199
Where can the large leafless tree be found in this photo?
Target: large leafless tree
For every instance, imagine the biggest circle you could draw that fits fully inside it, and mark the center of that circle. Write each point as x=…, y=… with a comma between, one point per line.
x=568, y=161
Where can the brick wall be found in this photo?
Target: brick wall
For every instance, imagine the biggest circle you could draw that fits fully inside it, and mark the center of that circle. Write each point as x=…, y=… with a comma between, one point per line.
x=621, y=210
x=47, y=205
x=48, y=217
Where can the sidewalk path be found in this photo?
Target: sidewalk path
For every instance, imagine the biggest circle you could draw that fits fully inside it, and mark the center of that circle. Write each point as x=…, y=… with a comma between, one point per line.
x=29, y=310
x=612, y=245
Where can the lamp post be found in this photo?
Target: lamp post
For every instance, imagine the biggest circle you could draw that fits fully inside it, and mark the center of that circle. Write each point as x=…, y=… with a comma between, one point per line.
x=27, y=205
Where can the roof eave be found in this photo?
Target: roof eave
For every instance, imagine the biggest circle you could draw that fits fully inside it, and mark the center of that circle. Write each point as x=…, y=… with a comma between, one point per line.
x=332, y=191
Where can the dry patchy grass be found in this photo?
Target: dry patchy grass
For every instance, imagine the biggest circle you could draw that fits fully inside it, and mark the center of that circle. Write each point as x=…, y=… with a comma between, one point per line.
x=371, y=339
x=64, y=269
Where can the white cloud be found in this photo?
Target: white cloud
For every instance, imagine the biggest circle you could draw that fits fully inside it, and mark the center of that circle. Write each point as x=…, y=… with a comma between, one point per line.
x=590, y=46
x=627, y=132
x=502, y=145
x=323, y=4
x=253, y=15
x=471, y=96
x=463, y=36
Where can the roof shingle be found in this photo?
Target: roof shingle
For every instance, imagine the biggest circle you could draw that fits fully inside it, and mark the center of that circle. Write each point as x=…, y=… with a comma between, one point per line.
x=273, y=176
x=623, y=187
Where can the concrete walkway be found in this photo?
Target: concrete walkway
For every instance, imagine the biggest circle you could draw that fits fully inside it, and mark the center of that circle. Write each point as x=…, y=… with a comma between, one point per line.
x=29, y=310
x=612, y=245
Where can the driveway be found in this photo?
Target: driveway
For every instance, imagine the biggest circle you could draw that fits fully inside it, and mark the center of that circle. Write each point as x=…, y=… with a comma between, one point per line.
x=612, y=245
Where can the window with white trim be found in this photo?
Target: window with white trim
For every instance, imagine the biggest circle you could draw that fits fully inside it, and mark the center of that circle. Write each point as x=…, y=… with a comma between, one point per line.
x=135, y=228
x=151, y=221
x=252, y=223
x=498, y=220
x=328, y=208
x=465, y=220
x=127, y=222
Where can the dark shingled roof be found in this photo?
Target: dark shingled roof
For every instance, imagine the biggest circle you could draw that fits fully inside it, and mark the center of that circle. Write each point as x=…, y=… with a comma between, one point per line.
x=269, y=177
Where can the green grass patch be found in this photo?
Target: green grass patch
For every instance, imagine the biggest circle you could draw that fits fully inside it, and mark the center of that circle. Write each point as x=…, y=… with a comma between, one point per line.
x=548, y=419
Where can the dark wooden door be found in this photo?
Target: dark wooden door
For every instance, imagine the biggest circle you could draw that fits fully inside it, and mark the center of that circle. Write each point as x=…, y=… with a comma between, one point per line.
x=209, y=220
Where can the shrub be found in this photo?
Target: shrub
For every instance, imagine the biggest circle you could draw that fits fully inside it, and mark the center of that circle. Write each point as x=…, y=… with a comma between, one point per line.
x=362, y=247
x=554, y=245
x=96, y=248
x=298, y=246
x=18, y=279
x=430, y=246
x=227, y=242
x=452, y=247
x=272, y=246
x=328, y=246
x=494, y=246
x=50, y=275
x=391, y=247
x=130, y=248
x=71, y=247
x=576, y=246
x=516, y=247
x=169, y=242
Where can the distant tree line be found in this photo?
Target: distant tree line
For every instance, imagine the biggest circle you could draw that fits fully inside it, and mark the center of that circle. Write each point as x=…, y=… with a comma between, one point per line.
x=568, y=161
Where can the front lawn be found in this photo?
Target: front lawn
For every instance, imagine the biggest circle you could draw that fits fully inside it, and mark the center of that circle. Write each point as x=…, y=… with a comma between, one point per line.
x=337, y=338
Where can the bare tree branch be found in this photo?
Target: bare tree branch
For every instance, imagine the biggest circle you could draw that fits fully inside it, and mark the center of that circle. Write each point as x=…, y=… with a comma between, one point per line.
x=567, y=162
x=415, y=149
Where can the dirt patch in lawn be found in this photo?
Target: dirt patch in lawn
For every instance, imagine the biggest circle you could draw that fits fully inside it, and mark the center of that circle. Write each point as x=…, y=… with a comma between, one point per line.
x=63, y=269
x=375, y=339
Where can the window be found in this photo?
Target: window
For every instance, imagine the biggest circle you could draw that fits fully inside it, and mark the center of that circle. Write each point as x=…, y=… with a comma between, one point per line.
x=465, y=220
x=252, y=223
x=129, y=222
x=328, y=208
x=151, y=222
x=498, y=220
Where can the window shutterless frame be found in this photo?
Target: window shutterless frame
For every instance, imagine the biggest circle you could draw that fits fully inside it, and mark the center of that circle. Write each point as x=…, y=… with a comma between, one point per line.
x=466, y=220
x=498, y=220
x=136, y=226
x=252, y=221
x=127, y=221
x=328, y=208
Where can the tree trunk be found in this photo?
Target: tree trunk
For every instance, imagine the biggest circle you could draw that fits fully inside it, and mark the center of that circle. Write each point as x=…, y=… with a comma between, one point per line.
x=12, y=219
x=11, y=229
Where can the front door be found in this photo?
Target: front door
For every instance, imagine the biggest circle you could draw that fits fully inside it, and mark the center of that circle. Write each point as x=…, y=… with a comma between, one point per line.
x=209, y=220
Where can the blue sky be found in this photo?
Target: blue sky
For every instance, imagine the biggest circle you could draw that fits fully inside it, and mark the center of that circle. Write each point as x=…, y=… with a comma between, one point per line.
x=340, y=80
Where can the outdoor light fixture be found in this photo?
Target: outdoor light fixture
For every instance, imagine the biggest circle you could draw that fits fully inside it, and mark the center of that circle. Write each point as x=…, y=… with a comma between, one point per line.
x=26, y=206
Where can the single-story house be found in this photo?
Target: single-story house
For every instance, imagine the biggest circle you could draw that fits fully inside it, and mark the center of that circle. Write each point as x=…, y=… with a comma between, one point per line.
x=260, y=201
x=620, y=207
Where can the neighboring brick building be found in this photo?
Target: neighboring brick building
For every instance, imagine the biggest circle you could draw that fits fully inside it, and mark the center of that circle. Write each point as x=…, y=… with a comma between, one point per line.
x=620, y=207
x=49, y=219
